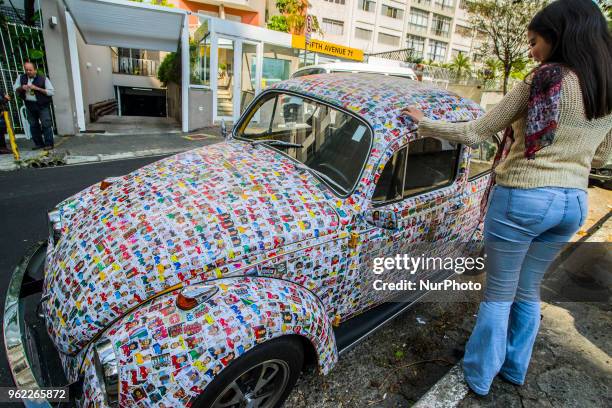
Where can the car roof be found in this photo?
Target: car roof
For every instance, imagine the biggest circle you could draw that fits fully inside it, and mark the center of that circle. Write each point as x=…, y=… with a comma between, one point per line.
x=378, y=99
x=362, y=67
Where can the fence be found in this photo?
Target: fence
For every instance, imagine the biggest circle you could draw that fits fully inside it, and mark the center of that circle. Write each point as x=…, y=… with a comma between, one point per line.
x=20, y=43
x=134, y=66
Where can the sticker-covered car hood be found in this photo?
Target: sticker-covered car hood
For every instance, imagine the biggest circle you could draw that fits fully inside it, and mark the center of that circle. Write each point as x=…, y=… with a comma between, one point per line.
x=202, y=214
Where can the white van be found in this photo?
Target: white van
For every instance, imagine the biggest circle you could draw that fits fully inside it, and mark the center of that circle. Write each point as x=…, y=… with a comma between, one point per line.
x=355, y=67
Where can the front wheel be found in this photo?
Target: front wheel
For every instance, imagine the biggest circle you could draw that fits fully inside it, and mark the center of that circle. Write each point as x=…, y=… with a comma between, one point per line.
x=262, y=378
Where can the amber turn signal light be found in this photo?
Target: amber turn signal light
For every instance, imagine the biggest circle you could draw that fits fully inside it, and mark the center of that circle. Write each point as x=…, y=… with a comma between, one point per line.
x=104, y=185
x=185, y=303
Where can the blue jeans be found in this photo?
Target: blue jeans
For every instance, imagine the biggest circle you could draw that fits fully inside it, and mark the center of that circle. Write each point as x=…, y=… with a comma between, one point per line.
x=524, y=231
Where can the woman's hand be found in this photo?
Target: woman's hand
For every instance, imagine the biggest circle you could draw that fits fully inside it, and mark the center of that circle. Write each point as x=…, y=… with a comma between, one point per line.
x=415, y=114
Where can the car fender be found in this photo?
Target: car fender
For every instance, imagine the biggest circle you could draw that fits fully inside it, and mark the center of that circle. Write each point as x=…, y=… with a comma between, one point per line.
x=170, y=355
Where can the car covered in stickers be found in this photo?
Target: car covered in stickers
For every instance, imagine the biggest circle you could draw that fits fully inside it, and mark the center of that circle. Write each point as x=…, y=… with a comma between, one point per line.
x=210, y=278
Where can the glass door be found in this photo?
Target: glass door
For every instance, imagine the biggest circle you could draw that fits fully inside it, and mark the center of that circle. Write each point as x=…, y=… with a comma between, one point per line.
x=248, y=77
x=225, y=78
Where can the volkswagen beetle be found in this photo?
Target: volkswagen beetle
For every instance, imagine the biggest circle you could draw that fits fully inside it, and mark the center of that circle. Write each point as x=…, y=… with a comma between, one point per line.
x=210, y=278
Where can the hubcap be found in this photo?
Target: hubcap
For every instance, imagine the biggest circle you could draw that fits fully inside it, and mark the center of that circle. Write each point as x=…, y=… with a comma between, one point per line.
x=259, y=387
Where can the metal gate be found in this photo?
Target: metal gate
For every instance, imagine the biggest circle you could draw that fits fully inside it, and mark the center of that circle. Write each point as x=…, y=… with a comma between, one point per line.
x=20, y=43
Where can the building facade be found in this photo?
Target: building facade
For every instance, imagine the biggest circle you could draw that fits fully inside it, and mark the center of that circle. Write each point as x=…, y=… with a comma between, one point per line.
x=436, y=30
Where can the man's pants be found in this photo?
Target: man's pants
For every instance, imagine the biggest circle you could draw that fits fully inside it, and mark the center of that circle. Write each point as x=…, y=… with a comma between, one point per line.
x=40, y=116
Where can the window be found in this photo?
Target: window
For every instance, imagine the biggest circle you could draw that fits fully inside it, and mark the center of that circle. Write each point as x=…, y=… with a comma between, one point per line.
x=418, y=20
x=444, y=4
x=423, y=2
x=200, y=70
x=463, y=4
x=336, y=1
x=463, y=31
x=426, y=164
x=432, y=163
x=455, y=53
x=363, y=34
x=417, y=44
x=330, y=26
x=482, y=158
x=388, y=39
x=341, y=141
x=366, y=5
x=440, y=25
x=437, y=51
x=389, y=185
x=392, y=12
x=310, y=71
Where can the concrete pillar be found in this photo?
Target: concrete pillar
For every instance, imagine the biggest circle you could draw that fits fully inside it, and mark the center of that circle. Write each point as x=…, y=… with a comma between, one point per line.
x=58, y=57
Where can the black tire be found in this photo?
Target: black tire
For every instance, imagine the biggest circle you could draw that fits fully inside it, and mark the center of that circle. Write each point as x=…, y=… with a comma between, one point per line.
x=287, y=352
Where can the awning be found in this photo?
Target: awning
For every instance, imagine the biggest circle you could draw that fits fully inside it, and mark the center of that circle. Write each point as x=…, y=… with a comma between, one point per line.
x=127, y=24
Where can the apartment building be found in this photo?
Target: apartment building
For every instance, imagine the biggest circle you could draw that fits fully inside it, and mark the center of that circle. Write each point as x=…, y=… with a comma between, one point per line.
x=436, y=30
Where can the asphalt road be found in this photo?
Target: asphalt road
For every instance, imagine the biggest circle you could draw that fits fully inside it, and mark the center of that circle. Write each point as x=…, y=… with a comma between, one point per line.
x=25, y=197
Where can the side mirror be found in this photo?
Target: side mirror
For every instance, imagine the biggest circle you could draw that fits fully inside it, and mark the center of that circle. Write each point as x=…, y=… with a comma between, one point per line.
x=381, y=218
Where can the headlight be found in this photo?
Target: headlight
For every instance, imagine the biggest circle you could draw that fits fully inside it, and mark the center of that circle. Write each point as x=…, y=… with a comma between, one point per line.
x=55, y=224
x=107, y=371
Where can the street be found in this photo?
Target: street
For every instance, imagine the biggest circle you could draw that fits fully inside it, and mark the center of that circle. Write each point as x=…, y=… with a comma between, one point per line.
x=26, y=197
x=398, y=364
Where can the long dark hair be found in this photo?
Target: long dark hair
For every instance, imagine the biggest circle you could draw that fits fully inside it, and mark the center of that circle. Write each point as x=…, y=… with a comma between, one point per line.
x=580, y=40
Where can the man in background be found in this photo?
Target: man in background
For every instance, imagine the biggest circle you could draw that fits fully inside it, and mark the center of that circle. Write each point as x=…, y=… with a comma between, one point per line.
x=36, y=91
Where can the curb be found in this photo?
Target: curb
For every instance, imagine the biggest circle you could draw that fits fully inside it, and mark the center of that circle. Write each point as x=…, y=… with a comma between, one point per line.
x=451, y=389
x=75, y=159
x=448, y=392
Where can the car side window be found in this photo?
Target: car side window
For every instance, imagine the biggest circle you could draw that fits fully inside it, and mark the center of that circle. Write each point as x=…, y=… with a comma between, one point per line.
x=481, y=161
x=389, y=185
x=432, y=163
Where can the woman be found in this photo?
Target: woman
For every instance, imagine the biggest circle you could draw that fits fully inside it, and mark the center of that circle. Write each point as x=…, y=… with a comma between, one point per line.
x=561, y=125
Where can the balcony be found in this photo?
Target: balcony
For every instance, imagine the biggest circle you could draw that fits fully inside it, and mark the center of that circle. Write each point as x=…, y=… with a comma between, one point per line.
x=134, y=66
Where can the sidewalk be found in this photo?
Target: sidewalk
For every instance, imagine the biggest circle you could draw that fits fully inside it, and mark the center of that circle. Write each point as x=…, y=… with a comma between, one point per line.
x=570, y=365
x=103, y=147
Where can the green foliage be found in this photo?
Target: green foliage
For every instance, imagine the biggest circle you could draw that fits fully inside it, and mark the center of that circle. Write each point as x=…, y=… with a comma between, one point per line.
x=170, y=68
x=504, y=26
x=278, y=23
x=461, y=65
x=293, y=17
x=163, y=3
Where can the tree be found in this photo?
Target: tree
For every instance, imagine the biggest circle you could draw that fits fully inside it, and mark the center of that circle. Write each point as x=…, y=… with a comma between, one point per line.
x=461, y=65
x=505, y=24
x=293, y=17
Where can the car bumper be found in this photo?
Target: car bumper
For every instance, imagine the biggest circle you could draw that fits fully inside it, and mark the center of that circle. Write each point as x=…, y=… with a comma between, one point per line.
x=602, y=174
x=25, y=337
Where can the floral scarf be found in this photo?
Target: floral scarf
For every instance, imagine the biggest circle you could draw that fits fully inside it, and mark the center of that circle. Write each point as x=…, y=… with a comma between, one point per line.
x=543, y=108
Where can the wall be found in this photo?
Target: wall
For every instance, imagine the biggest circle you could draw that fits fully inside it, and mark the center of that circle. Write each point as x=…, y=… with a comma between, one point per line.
x=137, y=81
x=97, y=78
x=253, y=17
x=173, y=98
x=200, y=108
x=56, y=48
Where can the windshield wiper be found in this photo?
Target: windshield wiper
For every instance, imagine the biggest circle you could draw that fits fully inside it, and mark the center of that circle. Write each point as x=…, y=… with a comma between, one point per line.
x=274, y=142
x=322, y=175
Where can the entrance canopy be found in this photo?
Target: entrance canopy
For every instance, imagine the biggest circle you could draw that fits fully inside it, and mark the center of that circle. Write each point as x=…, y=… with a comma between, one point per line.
x=118, y=23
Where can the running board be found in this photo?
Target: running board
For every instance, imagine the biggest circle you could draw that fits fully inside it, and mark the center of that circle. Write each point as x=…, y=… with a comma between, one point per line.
x=356, y=329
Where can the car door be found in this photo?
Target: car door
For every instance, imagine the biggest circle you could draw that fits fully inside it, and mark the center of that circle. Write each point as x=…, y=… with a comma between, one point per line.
x=423, y=183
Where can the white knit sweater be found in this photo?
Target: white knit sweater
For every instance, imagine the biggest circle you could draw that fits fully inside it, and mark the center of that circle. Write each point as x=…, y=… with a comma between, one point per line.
x=578, y=143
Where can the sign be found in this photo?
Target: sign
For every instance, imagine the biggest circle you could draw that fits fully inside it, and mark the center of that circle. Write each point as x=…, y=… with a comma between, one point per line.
x=299, y=41
x=308, y=28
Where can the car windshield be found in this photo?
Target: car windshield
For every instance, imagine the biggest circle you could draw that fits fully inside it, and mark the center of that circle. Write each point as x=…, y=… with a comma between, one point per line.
x=329, y=143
